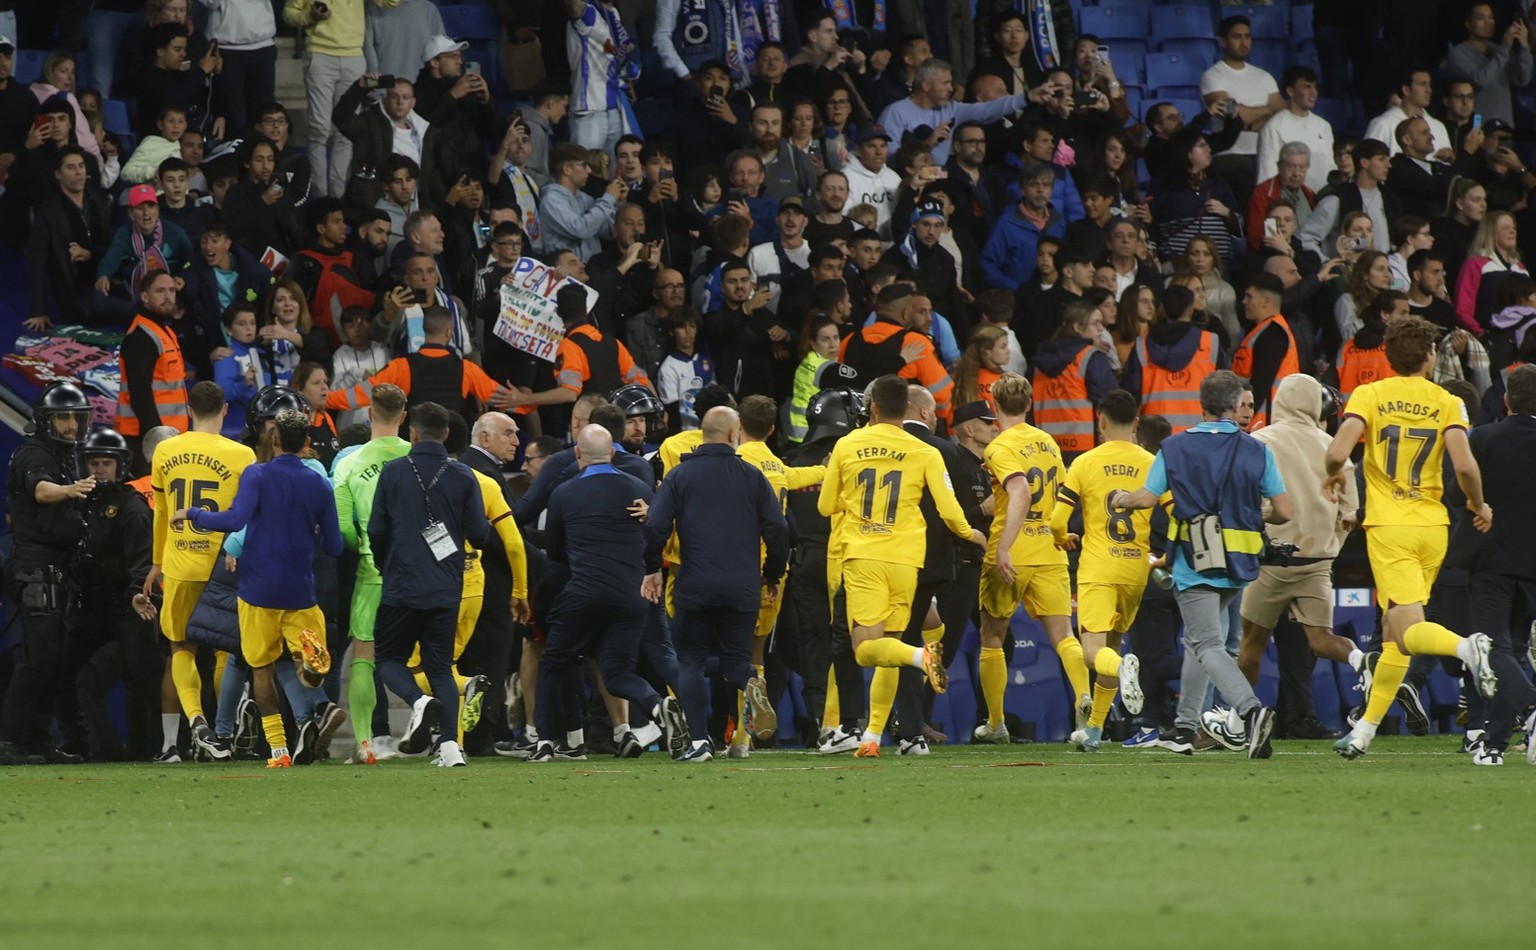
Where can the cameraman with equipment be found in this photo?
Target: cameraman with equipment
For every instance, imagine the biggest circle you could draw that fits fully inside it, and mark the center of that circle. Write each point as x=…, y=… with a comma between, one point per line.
x=1302, y=585
x=1219, y=477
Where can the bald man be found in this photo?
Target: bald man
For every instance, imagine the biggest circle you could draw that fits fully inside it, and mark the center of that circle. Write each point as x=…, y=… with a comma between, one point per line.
x=726, y=515
x=600, y=612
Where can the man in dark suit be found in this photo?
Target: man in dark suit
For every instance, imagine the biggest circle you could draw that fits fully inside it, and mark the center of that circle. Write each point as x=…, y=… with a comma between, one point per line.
x=1418, y=180
x=489, y=651
x=1503, y=567
x=935, y=579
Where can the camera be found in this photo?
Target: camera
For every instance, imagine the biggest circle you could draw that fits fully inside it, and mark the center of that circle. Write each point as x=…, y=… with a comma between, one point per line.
x=1086, y=98
x=1277, y=553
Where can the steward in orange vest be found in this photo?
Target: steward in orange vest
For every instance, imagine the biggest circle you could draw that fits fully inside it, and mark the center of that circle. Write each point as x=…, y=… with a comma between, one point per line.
x=1165, y=369
x=154, y=374
x=1363, y=359
x=1268, y=353
x=1071, y=376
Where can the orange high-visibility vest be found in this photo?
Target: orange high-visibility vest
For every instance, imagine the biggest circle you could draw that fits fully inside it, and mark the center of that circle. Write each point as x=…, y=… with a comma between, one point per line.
x=1242, y=360
x=1175, y=394
x=169, y=382
x=1358, y=366
x=1062, y=407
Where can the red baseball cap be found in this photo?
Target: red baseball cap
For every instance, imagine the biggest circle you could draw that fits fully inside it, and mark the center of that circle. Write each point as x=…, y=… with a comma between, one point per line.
x=142, y=194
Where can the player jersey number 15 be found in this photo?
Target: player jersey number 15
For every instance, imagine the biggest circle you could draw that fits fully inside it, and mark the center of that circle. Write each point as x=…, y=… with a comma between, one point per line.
x=193, y=494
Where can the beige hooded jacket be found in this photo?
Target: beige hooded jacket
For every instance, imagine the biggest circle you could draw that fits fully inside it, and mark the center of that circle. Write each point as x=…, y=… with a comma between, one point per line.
x=1299, y=446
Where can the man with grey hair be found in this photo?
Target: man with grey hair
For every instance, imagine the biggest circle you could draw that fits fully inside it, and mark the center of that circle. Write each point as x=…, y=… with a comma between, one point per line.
x=600, y=612
x=931, y=106
x=1008, y=258
x=1220, y=477
x=1299, y=124
x=1289, y=185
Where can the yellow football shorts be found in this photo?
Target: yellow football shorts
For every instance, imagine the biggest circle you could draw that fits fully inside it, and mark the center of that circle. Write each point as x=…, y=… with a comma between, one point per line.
x=265, y=631
x=180, y=599
x=1107, y=608
x=879, y=593
x=1405, y=559
x=1045, y=590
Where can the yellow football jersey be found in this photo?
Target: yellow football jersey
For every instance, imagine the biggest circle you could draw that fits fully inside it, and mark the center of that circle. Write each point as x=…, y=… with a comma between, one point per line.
x=1115, y=540
x=1030, y=453
x=499, y=514
x=193, y=470
x=875, y=478
x=1406, y=418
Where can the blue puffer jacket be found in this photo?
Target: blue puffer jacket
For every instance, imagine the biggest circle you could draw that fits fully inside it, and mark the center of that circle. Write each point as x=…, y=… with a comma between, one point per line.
x=214, y=620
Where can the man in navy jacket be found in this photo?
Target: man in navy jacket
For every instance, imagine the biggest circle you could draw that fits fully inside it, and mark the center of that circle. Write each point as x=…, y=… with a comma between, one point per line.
x=724, y=511
x=424, y=509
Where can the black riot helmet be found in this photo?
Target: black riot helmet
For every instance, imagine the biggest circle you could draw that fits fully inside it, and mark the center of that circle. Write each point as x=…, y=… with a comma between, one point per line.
x=105, y=442
x=266, y=404
x=62, y=413
x=833, y=413
x=637, y=400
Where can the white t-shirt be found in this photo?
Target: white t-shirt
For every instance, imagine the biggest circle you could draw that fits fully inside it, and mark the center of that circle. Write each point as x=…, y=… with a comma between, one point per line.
x=1383, y=129
x=1312, y=130
x=767, y=269
x=1250, y=86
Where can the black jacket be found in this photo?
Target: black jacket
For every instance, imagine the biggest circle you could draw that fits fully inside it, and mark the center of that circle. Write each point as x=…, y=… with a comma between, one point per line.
x=49, y=269
x=1504, y=451
x=366, y=126
x=412, y=576
x=939, y=564
x=721, y=507
x=252, y=281
x=562, y=466
x=114, y=558
x=1422, y=193
x=256, y=225
x=590, y=528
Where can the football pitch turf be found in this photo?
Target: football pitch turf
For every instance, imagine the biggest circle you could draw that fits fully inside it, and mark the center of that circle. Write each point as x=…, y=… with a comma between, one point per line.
x=967, y=848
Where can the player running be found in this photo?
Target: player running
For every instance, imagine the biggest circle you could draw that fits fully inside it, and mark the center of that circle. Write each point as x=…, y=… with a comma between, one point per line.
x=875, y=479
x=1023, y=563
x=1408, y=423
x=1112, y=574
x=197, y=469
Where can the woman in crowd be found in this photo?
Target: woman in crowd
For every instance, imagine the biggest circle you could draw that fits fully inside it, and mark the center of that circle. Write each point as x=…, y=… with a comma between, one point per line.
x=802, y=127
x=1493, y=256
x=1133, y=317
x=1073, y=366
x=1369, y=276
x=985, y=358
x=839, y=131
x=313, y=382
x=1465, y=208
x=1191, y=203
x=819, y=342
x=288, y=335
x=58, y=79
x=1203, y=259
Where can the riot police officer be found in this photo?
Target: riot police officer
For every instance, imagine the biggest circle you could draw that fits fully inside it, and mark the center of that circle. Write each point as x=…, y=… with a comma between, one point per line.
x=112, y=631
x=261, y=417
x=44, y=495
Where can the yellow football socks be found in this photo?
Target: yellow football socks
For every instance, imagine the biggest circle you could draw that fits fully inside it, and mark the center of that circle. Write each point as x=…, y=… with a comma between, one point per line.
x=1106, y=662
x=1390, y=670
x=882, y=694
x=884, y=651
x=1070, y=649
x=426, y=687
x=220, y=660
x=189, y=685
x=1427, y=638
x=993, y=673
x=933, y=635
x=1103, y=698
x=272, y=726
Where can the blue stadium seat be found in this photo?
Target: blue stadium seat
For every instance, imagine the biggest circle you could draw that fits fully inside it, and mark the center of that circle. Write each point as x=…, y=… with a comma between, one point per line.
x=1205, y=52
x=28, y=66
x=1130, y=67
x=1339, y=113
x=114, y=114
x=82, y=70
x=1178, y=22
x=1173, y=69
x=1301, y=23
x=1272, y=56
x=1121, y=21
x=471, y=23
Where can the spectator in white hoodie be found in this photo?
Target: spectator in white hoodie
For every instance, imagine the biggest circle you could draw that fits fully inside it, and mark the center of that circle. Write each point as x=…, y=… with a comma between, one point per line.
x=246, y=31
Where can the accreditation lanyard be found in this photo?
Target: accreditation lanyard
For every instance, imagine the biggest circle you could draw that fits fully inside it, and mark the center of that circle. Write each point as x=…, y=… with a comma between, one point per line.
x=439, y=541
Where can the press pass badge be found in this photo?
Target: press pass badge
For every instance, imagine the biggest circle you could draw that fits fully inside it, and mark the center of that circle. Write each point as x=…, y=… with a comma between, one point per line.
x=439, y=540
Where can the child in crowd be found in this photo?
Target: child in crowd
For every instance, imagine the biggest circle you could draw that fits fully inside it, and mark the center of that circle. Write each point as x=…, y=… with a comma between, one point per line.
x=684, y=371
x=239, y=373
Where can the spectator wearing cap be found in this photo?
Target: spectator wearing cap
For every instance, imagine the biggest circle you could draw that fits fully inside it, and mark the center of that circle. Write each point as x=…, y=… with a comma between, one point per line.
x=457, y=104
x=870, y=181
x=930, y=114
x=779, y=262
x=1503, y=173
x=1008, y=257
x=1493, y=67
x=572, y=219
x=143, y=244
x=333, y=38
x=704, y=119
x=1416, y=90
x=920, y=257
x=394, y=38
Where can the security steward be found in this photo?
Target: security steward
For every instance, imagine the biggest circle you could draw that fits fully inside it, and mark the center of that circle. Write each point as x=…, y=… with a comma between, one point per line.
x=112, y=633
x=722, y=508
x=154, y=374
x=891, y=346
x=434, y=373
x=587, y=360
x=44, y=503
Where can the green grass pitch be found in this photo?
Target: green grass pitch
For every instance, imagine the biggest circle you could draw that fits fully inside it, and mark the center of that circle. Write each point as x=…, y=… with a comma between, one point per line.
x=969, y=848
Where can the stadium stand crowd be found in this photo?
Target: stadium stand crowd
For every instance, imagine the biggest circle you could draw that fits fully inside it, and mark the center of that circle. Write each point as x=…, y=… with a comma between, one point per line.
x=576, y=369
